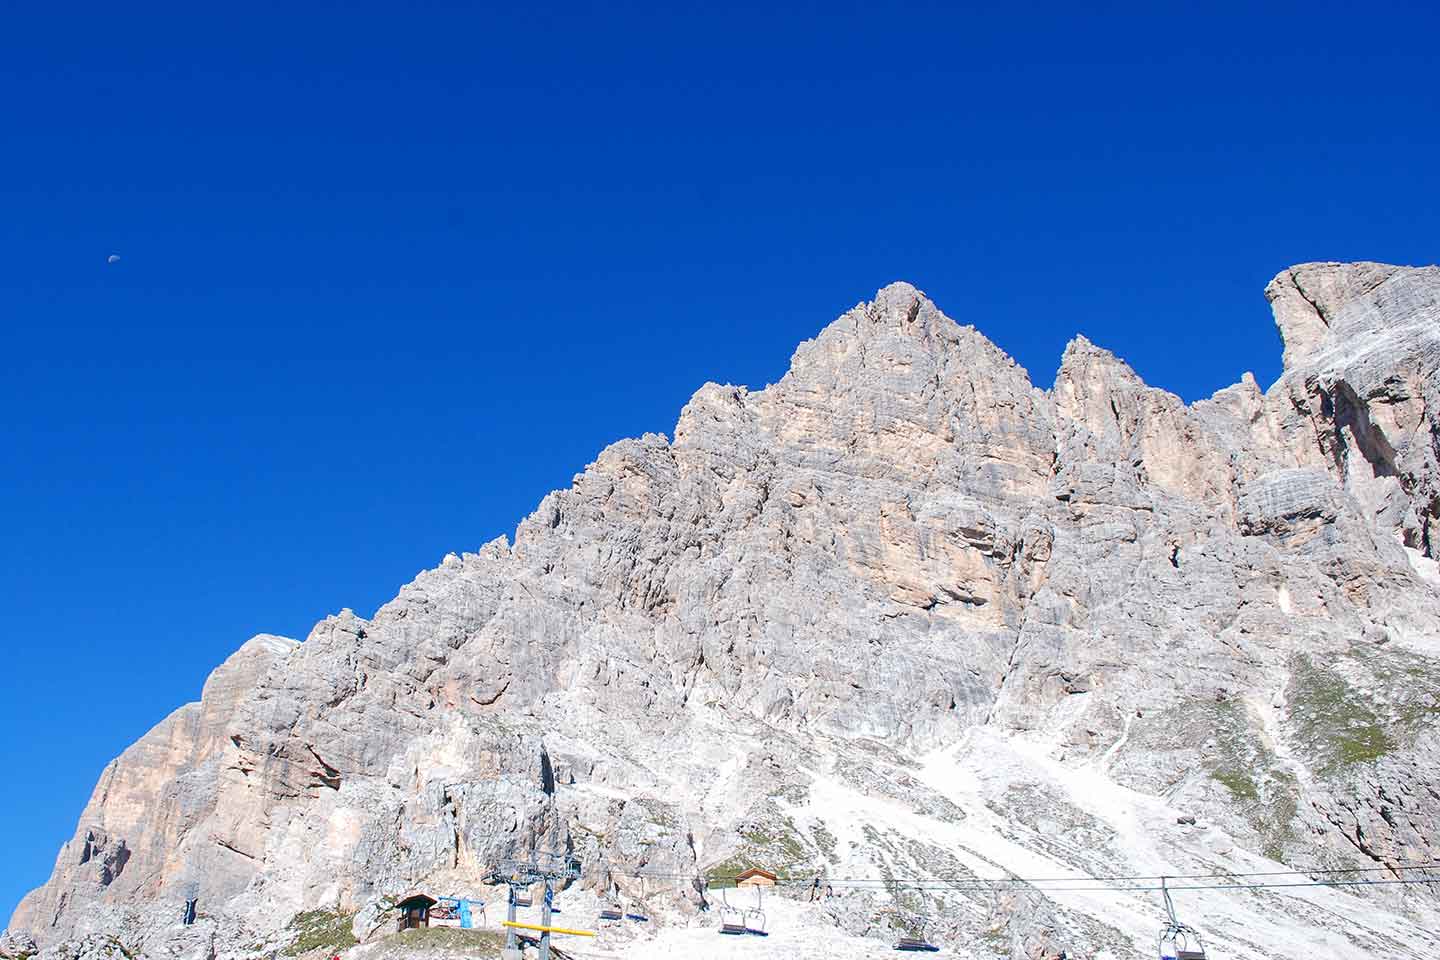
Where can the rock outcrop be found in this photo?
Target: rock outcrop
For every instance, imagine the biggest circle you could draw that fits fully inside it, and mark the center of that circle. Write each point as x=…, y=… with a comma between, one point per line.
x=900, y=619
x=16, y=946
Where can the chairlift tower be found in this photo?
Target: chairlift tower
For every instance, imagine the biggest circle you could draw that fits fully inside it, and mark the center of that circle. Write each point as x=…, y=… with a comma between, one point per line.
x=523, y=874
x=191, y=891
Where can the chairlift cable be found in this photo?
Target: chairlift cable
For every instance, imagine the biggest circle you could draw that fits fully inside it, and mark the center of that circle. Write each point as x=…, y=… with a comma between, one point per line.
x=971, y=879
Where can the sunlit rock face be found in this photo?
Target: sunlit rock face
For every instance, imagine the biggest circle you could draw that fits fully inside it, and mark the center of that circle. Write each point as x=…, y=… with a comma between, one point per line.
x=903, y=617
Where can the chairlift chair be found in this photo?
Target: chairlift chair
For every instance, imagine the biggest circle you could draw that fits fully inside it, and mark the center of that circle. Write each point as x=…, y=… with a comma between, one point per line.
x=732, y=919
x=917, y=944
x=610, y=909
x=636, y=910
x=755, y=919
x=1178, y=941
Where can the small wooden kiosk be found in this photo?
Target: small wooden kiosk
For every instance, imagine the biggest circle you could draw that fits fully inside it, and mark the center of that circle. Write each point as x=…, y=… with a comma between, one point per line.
x=415, y=910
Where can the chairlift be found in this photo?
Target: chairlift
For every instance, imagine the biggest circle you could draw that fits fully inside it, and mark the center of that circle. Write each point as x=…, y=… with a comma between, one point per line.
x=610, y=909
x=1178, y=941
x=521, y=899
x=755, y=919
x=917, y=944
x=635, y=912
x=732, y=919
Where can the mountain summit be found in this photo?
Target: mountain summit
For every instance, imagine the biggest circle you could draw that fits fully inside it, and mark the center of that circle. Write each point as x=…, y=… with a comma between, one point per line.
x=902, y=627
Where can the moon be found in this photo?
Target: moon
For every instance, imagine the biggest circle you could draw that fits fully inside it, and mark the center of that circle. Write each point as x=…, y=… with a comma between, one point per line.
x=113, y=258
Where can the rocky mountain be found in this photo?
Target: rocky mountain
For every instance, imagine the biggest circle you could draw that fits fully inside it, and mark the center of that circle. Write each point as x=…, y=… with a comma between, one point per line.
x=903, y=621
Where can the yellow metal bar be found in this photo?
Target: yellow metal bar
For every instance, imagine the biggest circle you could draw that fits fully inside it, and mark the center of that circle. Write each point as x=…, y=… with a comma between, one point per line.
x=532, y=926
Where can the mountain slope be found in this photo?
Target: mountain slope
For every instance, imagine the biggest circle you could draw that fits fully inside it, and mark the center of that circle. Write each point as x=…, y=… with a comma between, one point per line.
x=900, y=616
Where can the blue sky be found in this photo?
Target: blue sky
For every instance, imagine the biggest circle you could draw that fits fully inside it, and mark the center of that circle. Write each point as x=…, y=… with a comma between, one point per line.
x=387, y=276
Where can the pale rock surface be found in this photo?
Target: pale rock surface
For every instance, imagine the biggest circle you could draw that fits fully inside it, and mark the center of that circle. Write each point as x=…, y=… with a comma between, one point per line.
x=16, y=946
x=899, y=620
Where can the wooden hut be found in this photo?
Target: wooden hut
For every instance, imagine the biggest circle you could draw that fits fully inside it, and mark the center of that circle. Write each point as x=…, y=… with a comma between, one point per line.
x=755, y=877
x=415, y=910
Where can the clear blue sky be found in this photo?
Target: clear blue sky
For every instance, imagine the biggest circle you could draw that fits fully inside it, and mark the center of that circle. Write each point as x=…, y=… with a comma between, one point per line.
x=388, y=277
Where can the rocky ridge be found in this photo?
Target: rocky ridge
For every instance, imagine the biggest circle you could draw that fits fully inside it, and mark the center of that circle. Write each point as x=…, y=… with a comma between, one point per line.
x=900, y=618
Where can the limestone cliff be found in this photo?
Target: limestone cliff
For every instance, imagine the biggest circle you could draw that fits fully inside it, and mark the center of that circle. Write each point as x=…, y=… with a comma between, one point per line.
x=901, y=615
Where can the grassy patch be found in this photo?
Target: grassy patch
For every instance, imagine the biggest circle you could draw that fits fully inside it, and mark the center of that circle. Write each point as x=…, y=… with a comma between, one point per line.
x=1414, y=684
x=1237, y=753
x=484, y=942
x=996, y=939
x=774, y=844
x=1239, y=784
x=771, y=842
x=825, y=841
x=659, y=813
x=795, y=793
x=1258, y=784
x=723, y=874
x=901, y=896
x=1334, y=719
x=782, y=840
x=320, y=929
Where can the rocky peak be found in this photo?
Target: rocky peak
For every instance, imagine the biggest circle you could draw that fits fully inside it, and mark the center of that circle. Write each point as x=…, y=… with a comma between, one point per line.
x=1323, y=306
x=900, y=614
x=1362, y=368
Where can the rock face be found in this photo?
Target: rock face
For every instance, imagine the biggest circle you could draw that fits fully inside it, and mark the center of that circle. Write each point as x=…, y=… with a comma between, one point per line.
x=901, y=618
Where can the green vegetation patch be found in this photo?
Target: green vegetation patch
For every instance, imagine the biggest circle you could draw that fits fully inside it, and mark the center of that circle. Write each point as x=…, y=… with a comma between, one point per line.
x=483, y=942
x=1239, y=784
x=825, y=841
x=1334, y=720
x=723, y=874
x=1412, y=684
x=796, y=793
x=782, y=840
x=1259, y=785
x=775, y=845
x=320, y=929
